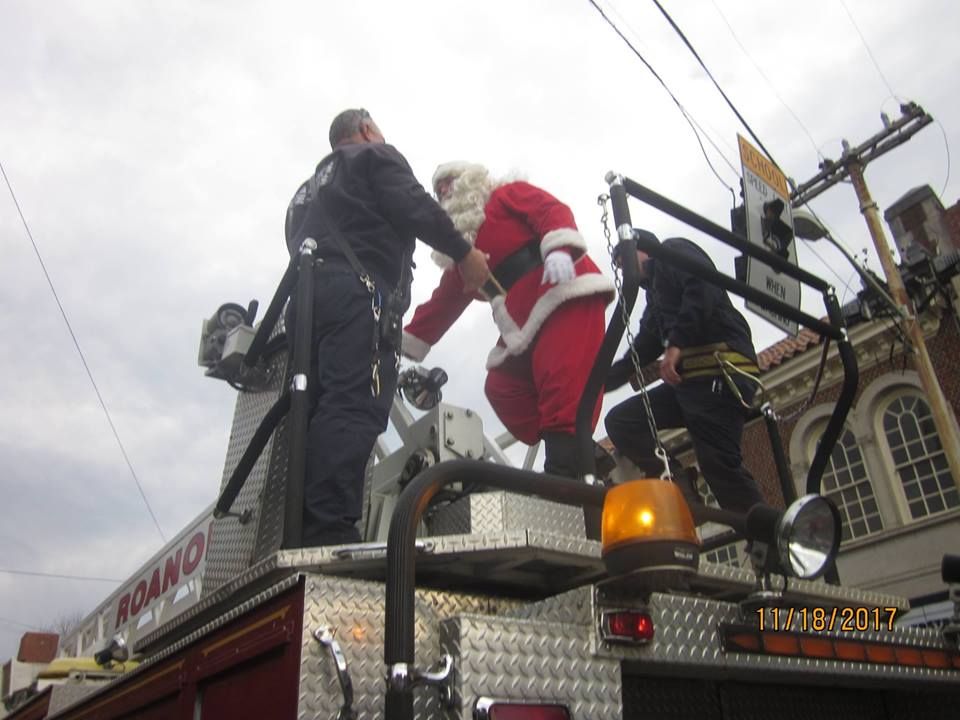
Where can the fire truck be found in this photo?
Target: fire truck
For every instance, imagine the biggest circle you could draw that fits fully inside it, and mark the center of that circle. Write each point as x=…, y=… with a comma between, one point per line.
x=477, y=593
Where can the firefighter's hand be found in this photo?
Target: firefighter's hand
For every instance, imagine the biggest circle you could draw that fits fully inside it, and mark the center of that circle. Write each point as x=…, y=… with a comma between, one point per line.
x=474, y=270
x=558, y=268
x=668, y=366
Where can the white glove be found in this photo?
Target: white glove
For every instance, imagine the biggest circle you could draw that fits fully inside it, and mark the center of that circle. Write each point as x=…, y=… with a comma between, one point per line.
x=558, y=268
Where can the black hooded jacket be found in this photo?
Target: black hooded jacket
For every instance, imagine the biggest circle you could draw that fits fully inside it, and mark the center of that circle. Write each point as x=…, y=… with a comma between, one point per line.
x=370, y=194
x=686, y=312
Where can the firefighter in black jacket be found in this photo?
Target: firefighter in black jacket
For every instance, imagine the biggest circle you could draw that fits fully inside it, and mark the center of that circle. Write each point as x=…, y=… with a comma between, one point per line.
x=695, y=327
x=363, y=201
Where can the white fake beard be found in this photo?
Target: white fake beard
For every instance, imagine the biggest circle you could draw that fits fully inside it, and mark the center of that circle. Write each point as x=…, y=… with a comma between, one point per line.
x=466, y=211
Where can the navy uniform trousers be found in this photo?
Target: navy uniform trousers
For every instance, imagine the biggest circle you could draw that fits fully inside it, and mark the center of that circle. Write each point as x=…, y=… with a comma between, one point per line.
x=346, y=418
x=714, y=418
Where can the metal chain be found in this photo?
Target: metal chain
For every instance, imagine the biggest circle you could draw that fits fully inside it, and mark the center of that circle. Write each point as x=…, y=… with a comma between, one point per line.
x=660, y=451
x=375, y=364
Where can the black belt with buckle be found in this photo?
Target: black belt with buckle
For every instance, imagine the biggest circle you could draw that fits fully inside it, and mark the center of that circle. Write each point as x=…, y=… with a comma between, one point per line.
x=512, y=268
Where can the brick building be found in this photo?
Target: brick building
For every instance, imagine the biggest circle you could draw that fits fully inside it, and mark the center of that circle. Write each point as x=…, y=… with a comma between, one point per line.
x=19, y=674
x=888, y=474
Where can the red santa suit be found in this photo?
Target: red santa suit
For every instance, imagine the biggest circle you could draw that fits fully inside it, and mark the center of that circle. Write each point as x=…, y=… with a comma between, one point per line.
x=549, y=333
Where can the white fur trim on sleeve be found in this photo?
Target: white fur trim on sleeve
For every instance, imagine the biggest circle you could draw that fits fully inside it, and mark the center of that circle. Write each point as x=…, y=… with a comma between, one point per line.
x=413, y=347
x=562, y=238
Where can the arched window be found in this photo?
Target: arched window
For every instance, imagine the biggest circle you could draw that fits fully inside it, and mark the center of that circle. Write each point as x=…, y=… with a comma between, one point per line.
x=918, y=456
x=847, y=483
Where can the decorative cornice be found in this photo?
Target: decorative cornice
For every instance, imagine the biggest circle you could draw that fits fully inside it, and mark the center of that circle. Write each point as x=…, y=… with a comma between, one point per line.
x=792, y=380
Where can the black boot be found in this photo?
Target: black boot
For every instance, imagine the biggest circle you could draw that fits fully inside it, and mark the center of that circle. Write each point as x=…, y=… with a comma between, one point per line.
x=686, y=480
x=603, y=461
x=560, y=452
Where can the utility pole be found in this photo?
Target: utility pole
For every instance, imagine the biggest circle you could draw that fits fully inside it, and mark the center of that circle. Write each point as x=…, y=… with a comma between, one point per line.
x=852, y=164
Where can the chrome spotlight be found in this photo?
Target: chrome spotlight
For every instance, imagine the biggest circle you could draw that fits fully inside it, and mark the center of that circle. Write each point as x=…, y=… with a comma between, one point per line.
x=806, y=535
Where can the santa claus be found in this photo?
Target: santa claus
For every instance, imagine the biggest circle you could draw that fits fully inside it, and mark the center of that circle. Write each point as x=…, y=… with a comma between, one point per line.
x=547, y=298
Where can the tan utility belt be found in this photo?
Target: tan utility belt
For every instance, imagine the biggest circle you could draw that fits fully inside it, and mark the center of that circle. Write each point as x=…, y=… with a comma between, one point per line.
x=710, y=360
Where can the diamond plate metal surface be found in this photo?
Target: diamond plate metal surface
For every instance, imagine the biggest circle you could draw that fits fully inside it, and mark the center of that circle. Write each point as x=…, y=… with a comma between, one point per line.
x=536, y=514
x=231, y=548
x=575, y=607
x=530, y=564
x=493, y=512
x=452, y=519
x=354, y=609
x=504, y=648
x=273, y=497
x=530, y=660
x=713, y=579
x=687, y=642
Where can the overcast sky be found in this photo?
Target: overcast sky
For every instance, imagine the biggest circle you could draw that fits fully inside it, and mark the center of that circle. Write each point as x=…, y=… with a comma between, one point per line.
x=153, y=148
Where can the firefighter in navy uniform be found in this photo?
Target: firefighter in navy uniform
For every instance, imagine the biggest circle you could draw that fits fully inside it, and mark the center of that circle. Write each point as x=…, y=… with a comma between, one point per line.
x=694, y=327
x=364, y=208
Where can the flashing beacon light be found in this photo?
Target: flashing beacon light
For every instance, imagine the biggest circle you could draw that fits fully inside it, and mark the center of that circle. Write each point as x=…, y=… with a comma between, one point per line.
x=647, y=525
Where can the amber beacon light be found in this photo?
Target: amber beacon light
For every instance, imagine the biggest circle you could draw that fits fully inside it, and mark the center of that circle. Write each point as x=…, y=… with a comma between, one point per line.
x=647, y=525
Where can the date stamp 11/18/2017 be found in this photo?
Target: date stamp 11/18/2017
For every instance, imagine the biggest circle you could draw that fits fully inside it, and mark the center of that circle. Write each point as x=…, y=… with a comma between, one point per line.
x=839, y=619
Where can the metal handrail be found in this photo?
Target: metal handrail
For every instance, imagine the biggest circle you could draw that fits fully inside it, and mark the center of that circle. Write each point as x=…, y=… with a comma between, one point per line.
x=399, y=621
x=833, y=329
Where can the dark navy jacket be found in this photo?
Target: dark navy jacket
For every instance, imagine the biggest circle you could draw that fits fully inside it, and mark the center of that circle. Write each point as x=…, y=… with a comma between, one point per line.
x=685, y=312
x=370, y=193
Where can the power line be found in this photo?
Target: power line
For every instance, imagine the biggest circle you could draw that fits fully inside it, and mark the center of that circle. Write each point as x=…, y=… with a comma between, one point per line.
x=18, y=624
x=943, y=132
x=946, y=144
x=867, y=47
x=847, y=288
x=673, y=97
x=625, y=23
x=59, y=576
x=845, y=283
x=766, y=78
x=839, y=241
x=83, y=359
x=719, y=152
x=716, y=84
x=703, y=150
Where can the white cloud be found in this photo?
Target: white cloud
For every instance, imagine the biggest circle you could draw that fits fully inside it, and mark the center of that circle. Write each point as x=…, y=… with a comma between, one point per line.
x=154, y=148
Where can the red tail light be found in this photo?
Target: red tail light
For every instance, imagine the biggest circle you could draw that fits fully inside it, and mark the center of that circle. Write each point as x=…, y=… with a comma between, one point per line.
x=626, y=626
x=487, y=709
